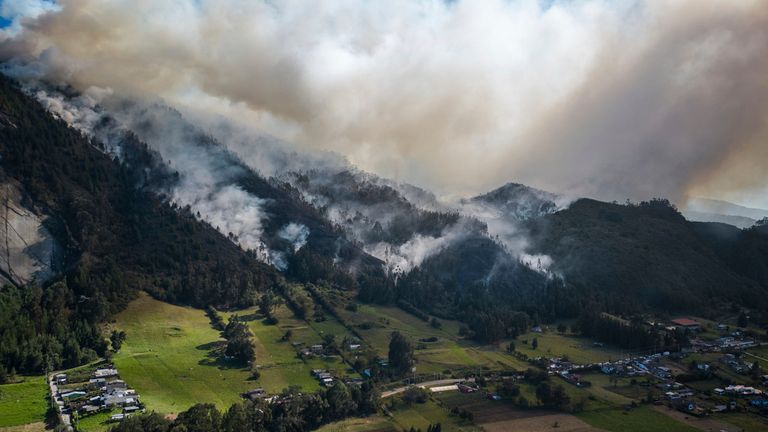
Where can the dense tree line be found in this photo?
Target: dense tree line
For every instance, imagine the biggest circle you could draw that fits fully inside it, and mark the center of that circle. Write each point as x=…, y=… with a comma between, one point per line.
x=292, y=412
x=618, y=332
x=39, y=331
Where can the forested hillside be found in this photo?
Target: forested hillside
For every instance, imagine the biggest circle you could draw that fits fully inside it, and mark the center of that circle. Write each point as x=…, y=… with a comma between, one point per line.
x=644, y=256
x=119, y=238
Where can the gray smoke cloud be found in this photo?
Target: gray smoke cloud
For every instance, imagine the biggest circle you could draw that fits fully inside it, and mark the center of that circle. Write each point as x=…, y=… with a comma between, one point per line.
x=613, y=99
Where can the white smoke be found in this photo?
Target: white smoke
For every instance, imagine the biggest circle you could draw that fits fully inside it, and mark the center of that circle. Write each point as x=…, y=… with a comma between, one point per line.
x=615, y=99
x=295, y=233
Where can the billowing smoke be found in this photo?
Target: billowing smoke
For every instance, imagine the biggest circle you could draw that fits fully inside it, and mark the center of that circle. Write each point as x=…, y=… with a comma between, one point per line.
x=614, y=99
x=296, y=234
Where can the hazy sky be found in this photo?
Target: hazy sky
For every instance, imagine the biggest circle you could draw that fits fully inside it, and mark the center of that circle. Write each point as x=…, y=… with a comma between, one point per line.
x=608, y=98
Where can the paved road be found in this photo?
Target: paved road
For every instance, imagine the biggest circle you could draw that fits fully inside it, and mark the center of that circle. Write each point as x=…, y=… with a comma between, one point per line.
x=425, y=384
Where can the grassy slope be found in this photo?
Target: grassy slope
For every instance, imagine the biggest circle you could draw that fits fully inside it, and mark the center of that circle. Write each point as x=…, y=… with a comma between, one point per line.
x=277, y=359
x=374, y=423
x=165, y=357
x=96, y=423
x=23, y=403
x=577, y=349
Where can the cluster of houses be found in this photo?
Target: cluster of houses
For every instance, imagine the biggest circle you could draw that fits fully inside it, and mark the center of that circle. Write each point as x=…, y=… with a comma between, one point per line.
x=632, y=367
x=738, y=390
x=103, y=391
x=735, y=364
x=324, y=377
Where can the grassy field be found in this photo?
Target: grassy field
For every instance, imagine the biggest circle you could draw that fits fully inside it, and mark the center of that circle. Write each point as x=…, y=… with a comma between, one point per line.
x=31, y=427
x=24, y=402
x=167, y=358
x=96, y=423
x=577, y=349
x=421, y=416
x=277, y=359
x=642, y=419
x=367, y=424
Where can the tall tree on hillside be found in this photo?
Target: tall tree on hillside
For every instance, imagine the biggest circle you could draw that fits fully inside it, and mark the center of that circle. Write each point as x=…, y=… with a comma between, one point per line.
x=400, y=353
x=743, y=320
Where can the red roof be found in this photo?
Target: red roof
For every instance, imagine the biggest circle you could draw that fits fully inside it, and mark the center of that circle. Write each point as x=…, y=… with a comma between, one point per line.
x=685, y=322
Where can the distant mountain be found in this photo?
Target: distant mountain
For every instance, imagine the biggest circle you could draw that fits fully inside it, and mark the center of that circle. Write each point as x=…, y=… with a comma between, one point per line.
x=737, y=221
x=520, y=202
x=709, y=210
x=648, y=255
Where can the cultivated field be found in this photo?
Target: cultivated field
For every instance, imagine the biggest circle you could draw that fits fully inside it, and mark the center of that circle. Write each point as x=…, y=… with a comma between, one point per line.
x=23, y=403
x=642, y=419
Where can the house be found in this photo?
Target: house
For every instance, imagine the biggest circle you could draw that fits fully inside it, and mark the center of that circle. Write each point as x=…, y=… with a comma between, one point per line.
x=120, y=399
x=686, y=323
x=688, y=406
x=88, y=409
x=131, y=409
x=354, y=347
x=255, y=394
x=105, y=373
x=316, y=349
x=117, y=417
x=61, y=378
x=97, y=382
x=741, y=390
x=116, y=385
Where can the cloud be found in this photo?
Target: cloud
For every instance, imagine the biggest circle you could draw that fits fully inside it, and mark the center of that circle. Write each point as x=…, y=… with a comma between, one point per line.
x=612, y=99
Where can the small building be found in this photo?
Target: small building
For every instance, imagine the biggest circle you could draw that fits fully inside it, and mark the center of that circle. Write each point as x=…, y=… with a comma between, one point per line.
x=105, y=373
x=60, y=379
x=88, y=409
x=687, y=324
x=116, y=385
x=119, y=399
x=255, y=394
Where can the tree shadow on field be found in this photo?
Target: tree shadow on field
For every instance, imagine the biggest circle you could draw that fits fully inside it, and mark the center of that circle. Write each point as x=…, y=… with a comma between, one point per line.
x=215, y=356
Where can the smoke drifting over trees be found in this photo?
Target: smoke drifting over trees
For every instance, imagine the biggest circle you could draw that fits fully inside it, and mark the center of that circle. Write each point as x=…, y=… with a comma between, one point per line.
x=607, y=99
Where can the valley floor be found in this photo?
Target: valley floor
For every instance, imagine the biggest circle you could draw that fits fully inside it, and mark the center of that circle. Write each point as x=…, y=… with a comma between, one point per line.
x=170, y=358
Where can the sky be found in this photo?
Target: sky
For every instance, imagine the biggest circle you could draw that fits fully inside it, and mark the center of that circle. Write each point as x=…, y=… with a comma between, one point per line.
x=612, y=99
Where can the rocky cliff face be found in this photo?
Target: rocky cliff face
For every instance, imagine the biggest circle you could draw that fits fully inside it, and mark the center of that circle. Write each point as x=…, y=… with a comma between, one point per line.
x=28, y=251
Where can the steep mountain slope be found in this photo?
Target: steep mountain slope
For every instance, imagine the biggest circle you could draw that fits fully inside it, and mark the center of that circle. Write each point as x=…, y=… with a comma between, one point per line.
x=116, y=237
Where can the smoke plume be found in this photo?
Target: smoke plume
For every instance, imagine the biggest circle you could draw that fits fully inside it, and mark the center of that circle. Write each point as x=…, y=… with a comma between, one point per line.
x=613, y=99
